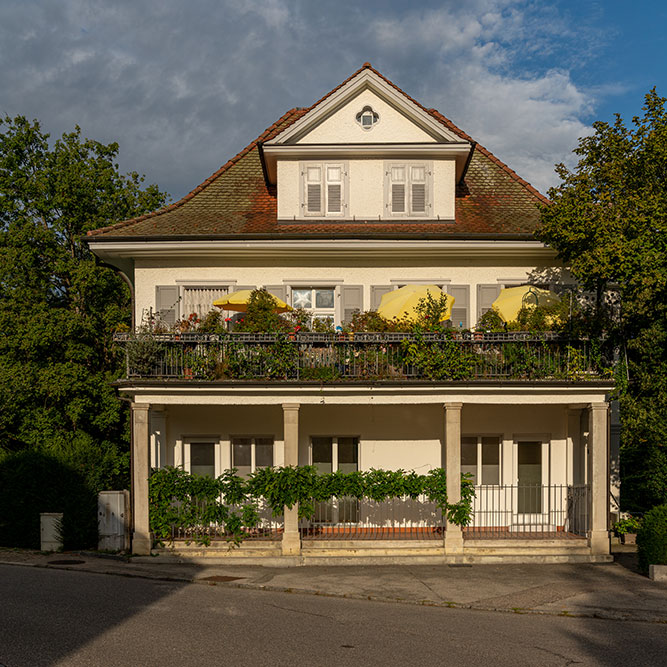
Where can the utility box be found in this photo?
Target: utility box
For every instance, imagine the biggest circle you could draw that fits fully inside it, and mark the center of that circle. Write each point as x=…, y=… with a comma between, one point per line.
x=49, y=531
x=113, y=520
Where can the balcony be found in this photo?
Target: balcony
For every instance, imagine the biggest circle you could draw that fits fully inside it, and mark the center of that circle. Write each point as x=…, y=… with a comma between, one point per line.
x=449, y=356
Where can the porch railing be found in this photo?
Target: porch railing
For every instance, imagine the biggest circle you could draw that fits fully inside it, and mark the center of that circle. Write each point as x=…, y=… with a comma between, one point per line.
x=396, y=519
x=530, y=510
x=458, y=356
x=269, y=528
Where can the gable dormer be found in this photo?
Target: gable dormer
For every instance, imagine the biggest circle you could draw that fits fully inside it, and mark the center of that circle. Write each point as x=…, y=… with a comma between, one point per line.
x=366, y=151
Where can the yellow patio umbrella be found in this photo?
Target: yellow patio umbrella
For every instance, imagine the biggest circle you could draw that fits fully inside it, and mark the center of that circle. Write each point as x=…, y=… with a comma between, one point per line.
x=403, y=301
x=512, y=299
x=238, y=301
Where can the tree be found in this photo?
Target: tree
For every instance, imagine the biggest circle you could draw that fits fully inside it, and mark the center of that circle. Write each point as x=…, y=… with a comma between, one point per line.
x=608, y=222
x=58, y=306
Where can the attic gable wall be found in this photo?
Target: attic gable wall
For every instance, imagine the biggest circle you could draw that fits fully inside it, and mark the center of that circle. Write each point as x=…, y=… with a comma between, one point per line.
x=342, y=128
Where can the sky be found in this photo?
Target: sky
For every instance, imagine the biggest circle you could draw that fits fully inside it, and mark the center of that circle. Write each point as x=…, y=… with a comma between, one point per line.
x=183, y=86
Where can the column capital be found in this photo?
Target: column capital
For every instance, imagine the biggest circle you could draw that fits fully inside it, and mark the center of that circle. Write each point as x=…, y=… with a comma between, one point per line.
x=141, y=407
x=452, y=406
x=291, y=406
x=598, y=406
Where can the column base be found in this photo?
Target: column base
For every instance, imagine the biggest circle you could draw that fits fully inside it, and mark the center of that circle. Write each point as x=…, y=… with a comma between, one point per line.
x=599, y=542
x=141, y=545
x=453, y=540
x=291, y=544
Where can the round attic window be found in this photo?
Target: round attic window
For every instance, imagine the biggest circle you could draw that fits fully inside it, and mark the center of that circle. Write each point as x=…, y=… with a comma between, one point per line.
x=367, y=118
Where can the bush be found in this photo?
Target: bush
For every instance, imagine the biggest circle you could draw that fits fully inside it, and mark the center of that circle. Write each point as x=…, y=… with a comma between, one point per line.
x=652, y=539
x=32, y=482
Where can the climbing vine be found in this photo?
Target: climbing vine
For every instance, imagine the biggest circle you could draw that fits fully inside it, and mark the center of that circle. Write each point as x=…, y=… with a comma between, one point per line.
x=193, y=503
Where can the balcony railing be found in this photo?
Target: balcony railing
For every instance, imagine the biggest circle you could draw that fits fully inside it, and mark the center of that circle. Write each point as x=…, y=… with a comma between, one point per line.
x=450, y=356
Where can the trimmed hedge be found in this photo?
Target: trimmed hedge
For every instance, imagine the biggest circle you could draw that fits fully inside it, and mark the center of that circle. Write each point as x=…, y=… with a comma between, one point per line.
x=32, y=482
x=652, y=538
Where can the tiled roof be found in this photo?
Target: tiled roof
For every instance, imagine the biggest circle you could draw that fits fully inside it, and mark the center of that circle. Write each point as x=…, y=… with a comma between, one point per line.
x=237, y=202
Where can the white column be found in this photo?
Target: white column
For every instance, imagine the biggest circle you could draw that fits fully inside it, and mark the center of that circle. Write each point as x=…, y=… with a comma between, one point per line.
x=598, y=476
x=291, y=545
x=141, y=537
x=453, y=534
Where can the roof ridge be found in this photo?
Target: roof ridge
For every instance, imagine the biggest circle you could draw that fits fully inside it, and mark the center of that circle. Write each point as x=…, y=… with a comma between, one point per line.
x=294, y=113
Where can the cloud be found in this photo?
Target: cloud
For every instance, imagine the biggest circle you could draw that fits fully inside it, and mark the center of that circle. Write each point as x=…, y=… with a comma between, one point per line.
x=183, y=87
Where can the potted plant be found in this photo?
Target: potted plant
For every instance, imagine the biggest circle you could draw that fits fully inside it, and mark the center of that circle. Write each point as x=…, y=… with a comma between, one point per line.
x=627, y=528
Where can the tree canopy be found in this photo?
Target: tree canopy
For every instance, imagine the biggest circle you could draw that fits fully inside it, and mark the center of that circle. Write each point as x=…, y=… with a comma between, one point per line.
x=58, y=306
x=608, y=221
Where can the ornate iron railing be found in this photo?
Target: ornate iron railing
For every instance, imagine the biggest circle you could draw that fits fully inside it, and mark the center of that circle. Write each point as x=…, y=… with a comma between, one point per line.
x=450, y=356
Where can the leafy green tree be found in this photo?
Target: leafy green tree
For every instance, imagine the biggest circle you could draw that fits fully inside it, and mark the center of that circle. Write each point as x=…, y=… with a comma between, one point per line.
x=608, y=222
x=58, y=306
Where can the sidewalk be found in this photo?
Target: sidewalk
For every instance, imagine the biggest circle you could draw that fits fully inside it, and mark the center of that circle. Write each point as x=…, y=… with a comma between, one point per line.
x=611, y=591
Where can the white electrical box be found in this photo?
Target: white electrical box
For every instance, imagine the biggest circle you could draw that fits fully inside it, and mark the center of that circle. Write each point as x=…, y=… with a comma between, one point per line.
x=50, y=537
x=113, y=520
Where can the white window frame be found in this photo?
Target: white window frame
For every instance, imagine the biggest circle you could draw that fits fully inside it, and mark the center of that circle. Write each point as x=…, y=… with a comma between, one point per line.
x=390, y=168
x=188, y=440
x=325, y=182
x=253, y=441
x=478, y=473
x=334, y=449
x=314, y=311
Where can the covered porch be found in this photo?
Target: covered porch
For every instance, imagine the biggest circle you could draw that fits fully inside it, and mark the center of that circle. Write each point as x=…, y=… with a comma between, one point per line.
x=537, y=455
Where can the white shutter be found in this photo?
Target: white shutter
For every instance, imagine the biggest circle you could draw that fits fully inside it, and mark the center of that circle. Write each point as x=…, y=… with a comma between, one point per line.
x=418, y=189
x=166, y=303
x=313, y=189
x=486, y=295
x=461, y=309
x=397, y=181
x=377, y=291
x=352, y=298
x=334, y=178
x=277, y=290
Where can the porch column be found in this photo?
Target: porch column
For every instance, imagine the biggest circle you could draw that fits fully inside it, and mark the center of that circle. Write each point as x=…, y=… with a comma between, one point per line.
x=453, y=534
x=141, y=537
x=291, y=539
x=598, y=477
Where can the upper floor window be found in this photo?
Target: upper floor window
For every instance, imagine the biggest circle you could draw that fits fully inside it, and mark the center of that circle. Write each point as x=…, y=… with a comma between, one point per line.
x=323, y=189
x=408, y=189
x=367, y=118
x=319, y=301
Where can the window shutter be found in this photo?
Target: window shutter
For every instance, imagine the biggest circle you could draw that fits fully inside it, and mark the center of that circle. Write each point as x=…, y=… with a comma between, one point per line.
x=461, y=308
x=166, y=303
x=418, y=189
x=313, y=189
x=376, y=294
x=334, y=175
x=352, y=297
x=277, y=290
x=486, y=295
x=397, y=180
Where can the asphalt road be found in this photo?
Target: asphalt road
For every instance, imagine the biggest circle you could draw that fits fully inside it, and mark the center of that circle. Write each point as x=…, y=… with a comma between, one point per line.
x=57, y=617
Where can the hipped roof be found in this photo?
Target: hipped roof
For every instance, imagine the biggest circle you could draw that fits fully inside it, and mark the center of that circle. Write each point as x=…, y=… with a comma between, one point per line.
x=492, y=201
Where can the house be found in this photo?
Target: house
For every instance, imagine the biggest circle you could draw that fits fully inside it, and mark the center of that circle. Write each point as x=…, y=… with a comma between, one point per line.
x=330, y=208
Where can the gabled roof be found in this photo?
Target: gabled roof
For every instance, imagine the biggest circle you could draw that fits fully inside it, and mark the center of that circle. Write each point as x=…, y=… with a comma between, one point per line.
x=237, y=202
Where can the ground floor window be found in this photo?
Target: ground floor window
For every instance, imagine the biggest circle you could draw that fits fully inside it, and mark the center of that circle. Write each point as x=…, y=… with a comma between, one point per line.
x=251, y=453
x=202, y=459
x=330, y=454
x=480, y=456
